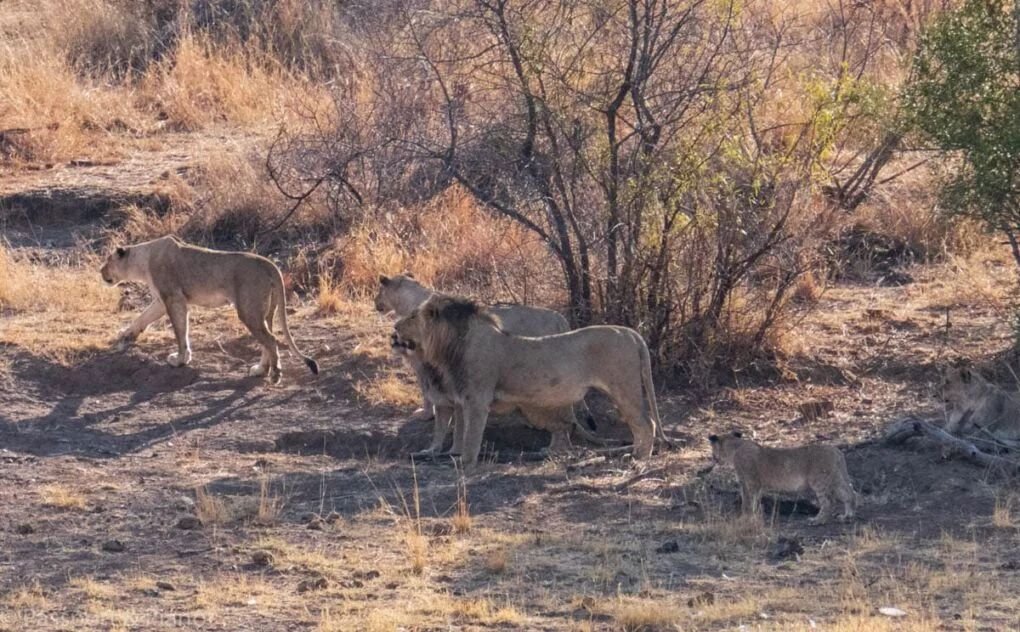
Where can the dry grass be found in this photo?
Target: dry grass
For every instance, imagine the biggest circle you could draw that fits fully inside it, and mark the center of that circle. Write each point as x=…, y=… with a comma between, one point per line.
x=270, y=507
x=389, y=387
x=29, y=287
x=232, y=590
x=62, y=497
x=646, y=615
x=329, y=299
x=211, y=509
x=1003, y=512
x=461, y=521
x=489, y=252
x=496, y=561
x=28, y=598
x=92, y=589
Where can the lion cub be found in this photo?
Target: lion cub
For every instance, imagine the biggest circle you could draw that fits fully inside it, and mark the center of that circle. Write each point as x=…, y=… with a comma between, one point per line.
x=973, y=404
x=817, y=468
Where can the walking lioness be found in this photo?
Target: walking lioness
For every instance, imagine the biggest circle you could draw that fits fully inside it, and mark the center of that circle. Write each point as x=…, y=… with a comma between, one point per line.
x=481, y=365
x=811, y=468
x=179, y=275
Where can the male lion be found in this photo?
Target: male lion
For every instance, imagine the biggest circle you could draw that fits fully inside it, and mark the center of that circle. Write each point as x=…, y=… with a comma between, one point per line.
x=816, y=468
x=401, y=294
x=479, y=365
x=179, y=274
x=973, y=404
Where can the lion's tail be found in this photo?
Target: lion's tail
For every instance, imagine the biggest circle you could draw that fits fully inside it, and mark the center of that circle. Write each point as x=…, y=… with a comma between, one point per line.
x=279, y=306
x=649, y=388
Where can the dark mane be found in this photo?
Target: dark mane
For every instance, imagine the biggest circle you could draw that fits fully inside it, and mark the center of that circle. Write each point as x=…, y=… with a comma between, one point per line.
x=447, y=321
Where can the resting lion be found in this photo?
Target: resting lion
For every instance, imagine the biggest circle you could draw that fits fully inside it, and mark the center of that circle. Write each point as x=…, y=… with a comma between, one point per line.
x=480, y=365
x=401, y=294
x=820, y=469
x=179, y=275
x=975, y=405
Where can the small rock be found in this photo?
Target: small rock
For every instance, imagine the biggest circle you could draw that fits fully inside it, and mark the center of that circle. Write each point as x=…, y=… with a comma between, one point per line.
x=372, y=574
x=316, y=583
x=114, y=546
x=892, y=612
x=392, y=585
x=162, y=585
x=704, y=599
x=352, y=583
x=317, y=524
x=24, y=529
x=670, y=546
x=1011, y=565
x=333, y=517
x=787, y=548
x=262, y=558
x=189, y=523
x=151, y=592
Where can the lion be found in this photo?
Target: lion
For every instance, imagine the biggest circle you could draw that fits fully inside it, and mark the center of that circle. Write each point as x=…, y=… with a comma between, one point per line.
x=179, y=274
x=401, y=294
x=975, y=405
x=479, y=364
x=820, y=469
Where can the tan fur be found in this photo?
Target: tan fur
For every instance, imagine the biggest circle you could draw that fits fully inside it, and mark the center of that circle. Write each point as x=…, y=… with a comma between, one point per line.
x=401, y=294
x=974, y=405
x=179, y=275
x=820, y=469
x=481, y=365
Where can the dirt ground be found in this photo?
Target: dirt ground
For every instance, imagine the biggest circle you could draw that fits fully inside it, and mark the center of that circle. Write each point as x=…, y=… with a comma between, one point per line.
x=138, y=496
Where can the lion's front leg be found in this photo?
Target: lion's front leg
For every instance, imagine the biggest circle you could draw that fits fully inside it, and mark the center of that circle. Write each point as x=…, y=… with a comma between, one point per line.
x=149, y=315
x=440, y=430
x=476, y=414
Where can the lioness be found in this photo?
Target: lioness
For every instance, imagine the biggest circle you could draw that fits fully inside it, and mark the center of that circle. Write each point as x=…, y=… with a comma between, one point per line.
x=401, y=294
x=480, y=364
x=973, y=404
x=179, y=275
x=816, y=468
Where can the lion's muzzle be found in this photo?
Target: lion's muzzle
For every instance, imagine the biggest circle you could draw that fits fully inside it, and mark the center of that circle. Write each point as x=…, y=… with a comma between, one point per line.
x=398, y=343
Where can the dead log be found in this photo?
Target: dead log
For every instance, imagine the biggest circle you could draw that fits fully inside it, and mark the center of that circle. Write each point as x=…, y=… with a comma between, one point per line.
x=899, y=431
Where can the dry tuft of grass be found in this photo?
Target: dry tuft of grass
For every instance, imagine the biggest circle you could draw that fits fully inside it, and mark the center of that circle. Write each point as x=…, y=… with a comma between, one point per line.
x=484, y=612
x=416, y=546
x=270, y=507
x=496, y=561
x=28, y=598
x=92, y=589
x=62, y=497
x=210, y=509
x=329, y=300
x=235, y=590
x=461, y=520
x=1002, y=513
x=29, y=287
x=646, y=615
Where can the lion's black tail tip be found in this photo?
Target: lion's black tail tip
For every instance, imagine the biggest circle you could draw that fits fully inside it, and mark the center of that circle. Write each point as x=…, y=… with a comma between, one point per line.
x=313, y=366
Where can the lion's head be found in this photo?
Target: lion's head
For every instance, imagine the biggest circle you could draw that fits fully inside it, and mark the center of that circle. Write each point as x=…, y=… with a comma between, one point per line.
x=439, y=328
x=400, y=293
x=960, y=384
x=725, y=446
x=119, y=267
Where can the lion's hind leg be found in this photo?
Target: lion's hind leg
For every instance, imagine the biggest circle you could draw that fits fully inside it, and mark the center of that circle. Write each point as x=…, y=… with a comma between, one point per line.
x=269, y=362
x=177, y=308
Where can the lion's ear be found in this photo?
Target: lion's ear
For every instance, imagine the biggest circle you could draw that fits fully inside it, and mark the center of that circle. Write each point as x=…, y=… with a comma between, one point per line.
x=738, y=434
x=713, y=438
x=384, y=280
x=965, y=375
x=121, y=252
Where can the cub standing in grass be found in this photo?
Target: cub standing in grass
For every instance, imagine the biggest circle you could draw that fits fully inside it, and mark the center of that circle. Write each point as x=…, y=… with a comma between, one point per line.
x=179, y=275
x=812, y=468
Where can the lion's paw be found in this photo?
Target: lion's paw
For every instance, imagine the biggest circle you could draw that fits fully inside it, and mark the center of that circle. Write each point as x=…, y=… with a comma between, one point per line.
x=175, y=359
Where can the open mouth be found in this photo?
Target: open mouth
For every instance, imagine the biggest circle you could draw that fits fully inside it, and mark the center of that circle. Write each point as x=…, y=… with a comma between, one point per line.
x=399, y=343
